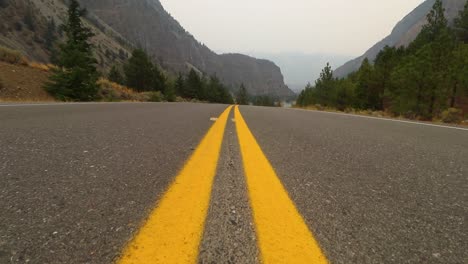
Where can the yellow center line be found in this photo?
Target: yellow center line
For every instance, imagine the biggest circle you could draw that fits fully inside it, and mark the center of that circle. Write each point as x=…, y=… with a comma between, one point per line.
x=173, y=230
x=282, y=233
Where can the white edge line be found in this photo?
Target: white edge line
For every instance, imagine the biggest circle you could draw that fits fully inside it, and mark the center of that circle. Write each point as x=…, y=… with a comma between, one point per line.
x=381, y=118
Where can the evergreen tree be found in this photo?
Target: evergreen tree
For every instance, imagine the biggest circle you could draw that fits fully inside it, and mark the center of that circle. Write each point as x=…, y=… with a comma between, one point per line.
x=76, y=75
x=420, y=81
x=439, y=52
x=225, y=96
x=115, y=75
x=214, y=89
x=410, y=86
x=169, y=93
x=242, y=96
x=179, y=86
x=217, y=92
x=324, y=86
x=159, y=80
x=193, y=85
x=139, y=72
x=384, y=64
x=458, y=71
x=461, y=25
x=367, y=96
x=344, y=94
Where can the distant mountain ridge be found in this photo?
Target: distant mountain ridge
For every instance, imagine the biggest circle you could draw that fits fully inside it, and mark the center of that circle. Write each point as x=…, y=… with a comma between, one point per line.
x=403, y=34
x=123, y=24
x=301, y=68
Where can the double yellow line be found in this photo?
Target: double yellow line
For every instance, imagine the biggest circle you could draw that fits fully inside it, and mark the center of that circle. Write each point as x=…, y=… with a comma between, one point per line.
x=173, y=231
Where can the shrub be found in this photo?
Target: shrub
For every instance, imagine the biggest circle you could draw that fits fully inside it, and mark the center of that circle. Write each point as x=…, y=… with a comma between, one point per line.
x=349, y=110
x=319, y=107
x=1, y=84
x=12, y=56
x=452, y=115
x=155, y=96
x=113, y=92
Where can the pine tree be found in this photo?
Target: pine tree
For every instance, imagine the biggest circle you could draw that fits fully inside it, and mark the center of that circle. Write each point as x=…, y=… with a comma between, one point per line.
x=115, y=75
x=76, y=75
x=217, y=92
x=439, y=50
x=214, y=90
x=458, y=73
x=436, y=22
x=169, y=93
x=242, y=96
x=324, y=86
x=366, y=94
x=179, y=85
x=384, y=64
x=225, y=96
x=159, y=80
x=139, y=72
x=461, y=25
x=193, y=85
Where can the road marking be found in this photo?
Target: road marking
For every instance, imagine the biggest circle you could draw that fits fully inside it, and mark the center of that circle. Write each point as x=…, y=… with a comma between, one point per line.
x=213, y=119
x=173, y=230
x=382, y=118
x=282, y=233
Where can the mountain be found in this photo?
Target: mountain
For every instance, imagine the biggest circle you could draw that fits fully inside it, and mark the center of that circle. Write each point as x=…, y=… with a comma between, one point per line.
x=24, y=26
x=404, y=32
x=301, y=68
x=121, y=25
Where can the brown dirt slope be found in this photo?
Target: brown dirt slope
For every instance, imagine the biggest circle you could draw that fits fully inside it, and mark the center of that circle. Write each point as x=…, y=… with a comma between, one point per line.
x=22, y=83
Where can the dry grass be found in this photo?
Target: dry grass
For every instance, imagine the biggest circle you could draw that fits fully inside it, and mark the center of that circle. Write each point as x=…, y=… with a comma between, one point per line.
x=41, y=66
x=113, y=92
x=12, y=56
x=383, y=114
x=23, y=84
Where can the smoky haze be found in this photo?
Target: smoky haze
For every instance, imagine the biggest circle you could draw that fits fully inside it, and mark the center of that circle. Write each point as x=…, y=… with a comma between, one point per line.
x=341, y=27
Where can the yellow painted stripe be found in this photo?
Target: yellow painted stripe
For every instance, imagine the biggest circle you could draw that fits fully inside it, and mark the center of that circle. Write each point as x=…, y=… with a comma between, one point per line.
x=282, y=234
x=173, y=231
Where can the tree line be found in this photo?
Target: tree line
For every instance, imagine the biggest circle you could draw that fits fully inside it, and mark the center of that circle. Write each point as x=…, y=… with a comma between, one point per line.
x=75, y=77
x=419, y=81
x=142, y=75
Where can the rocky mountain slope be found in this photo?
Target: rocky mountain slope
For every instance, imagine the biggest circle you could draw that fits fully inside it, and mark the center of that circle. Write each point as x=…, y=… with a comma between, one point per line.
x=301, y=68
x=404, y=32
x=121, y=25
x=24, y=26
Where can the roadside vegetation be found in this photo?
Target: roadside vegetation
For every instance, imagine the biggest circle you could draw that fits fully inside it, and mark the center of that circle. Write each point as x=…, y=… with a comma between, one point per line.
x=243, y=98
x=76, y=73
x=139, y=79
x=12, y=56
x=428, y=80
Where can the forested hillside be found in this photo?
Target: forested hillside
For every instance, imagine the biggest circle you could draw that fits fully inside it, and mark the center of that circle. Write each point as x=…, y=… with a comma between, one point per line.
x=423, y=80
x=403, y=34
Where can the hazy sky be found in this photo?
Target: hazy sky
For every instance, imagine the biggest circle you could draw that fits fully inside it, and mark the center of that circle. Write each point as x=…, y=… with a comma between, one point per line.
x=347, y=27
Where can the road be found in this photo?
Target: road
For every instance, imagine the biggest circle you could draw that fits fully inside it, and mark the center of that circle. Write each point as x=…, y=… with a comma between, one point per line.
x=185, y=183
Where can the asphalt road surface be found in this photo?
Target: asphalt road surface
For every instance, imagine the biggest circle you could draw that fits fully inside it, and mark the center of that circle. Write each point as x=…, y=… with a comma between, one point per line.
x=85, y=183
